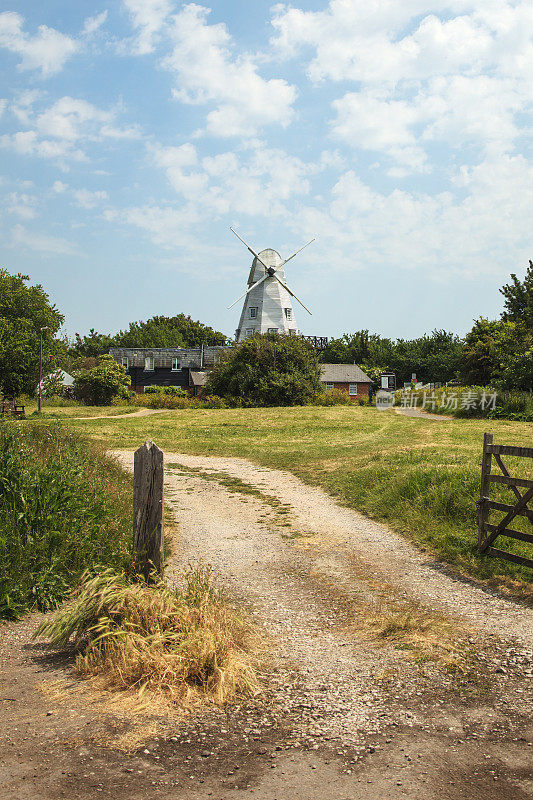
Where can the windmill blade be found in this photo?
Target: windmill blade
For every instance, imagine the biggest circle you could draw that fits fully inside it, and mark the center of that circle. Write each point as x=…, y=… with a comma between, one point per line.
x=250, y=289
x=298, y=251
x=250, y=249
x=292, y=294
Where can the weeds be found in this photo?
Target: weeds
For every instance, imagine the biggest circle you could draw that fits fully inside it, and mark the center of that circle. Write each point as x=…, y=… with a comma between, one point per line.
x=64, y=507
x=172, y=644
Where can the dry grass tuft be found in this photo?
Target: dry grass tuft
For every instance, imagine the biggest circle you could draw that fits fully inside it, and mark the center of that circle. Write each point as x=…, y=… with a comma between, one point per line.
x=178, y=645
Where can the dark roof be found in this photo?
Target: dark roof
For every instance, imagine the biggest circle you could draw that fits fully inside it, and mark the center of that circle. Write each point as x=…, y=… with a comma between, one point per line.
x=343, y=373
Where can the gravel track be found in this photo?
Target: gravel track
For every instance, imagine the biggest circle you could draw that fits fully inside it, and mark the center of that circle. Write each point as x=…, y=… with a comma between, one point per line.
x=215, y=526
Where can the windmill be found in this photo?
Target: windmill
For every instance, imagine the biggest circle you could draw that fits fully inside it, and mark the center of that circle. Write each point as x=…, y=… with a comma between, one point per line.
x=267, y=305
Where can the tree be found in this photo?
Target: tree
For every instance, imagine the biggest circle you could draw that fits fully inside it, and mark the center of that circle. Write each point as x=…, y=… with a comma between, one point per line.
x=515, y=357
x=435, y=358
x=24, y=310
x=519, y=299
x=267, y=370
x=99, y=385
x=178, y=331
x=481, y=354
x=91, y=346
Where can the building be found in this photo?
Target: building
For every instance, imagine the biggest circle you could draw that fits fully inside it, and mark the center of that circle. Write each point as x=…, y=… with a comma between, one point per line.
x=348, y=377
x=186, y=367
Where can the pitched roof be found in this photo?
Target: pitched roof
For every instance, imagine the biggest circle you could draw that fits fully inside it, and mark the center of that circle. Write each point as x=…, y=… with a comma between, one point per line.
x=343, y=373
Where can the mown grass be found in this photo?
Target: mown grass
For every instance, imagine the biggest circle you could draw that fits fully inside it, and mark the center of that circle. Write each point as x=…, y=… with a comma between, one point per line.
x=420, y=476
x=64, y=508
x=51, y=409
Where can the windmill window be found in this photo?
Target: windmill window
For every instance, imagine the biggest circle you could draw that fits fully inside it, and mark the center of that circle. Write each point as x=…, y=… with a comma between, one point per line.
x=176, y=364
x=250, y=331
x=272, y=330
x=352, y=389
x=288, y=313
x=253, y=312
x=149, y=364
x=125, y=363
x=330, y=387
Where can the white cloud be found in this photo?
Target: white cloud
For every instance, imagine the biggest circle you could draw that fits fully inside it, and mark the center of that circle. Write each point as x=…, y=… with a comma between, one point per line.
x=59, y=187
x=27, y=143
x=149, y=17
x=41, y=243
x=208, y=73
x=371, y=123
x=47, y=51
x=460, y=74
x=3, y=106
x=22, y=205
x=256, y=180
x=92, y=24
x=87, y=199
x=70, y=119
x=58, y=131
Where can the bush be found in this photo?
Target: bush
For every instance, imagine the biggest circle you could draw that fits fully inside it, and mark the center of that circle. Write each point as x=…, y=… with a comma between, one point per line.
x=267, y=370
x=335, y=397
x=99, y=385
x=175, y=391
x=171, y=401
x=64, y=507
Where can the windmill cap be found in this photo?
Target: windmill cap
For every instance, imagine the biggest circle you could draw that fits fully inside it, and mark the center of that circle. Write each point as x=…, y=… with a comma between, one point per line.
x=271, y=258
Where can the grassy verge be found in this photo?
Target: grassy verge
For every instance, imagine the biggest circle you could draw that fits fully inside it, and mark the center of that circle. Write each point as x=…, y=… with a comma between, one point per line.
x=64, y=507
x=420, y=476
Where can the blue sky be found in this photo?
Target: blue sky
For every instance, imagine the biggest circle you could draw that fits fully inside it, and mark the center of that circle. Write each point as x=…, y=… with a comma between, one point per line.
x=134, y=133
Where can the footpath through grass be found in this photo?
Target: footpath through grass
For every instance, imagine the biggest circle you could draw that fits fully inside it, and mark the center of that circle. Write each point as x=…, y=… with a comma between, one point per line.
x=420, y=476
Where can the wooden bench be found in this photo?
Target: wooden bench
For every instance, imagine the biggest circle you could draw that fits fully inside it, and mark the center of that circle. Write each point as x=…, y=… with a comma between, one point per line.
x=8, y=408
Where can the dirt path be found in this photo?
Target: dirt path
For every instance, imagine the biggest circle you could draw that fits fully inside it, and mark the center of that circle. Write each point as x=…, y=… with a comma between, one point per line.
x=144, y=412
x=420, y=414
x=343, y=716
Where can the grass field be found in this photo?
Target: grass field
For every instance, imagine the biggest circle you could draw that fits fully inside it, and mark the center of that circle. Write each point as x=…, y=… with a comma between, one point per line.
x=420, y=476
x=78, y=410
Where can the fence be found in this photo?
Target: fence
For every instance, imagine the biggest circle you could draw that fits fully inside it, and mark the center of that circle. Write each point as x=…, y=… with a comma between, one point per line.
x=487, y=531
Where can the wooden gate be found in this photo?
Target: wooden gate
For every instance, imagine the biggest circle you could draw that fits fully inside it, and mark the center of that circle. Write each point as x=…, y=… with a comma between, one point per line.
x=488, y=532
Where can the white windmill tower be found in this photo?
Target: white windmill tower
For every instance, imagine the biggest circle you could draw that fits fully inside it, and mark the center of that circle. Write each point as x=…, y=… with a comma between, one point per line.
x=267, y=307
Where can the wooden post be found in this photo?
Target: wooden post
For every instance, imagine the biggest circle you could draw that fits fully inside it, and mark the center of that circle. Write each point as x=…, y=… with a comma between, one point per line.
x=148, y=508
x=483, y=506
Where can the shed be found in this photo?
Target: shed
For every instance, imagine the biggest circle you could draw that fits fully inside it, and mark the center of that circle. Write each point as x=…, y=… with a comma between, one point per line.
x=348, y=377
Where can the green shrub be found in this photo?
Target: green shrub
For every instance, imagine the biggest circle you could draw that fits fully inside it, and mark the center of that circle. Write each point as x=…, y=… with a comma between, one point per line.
x=172, y=401
x=335, y=397
x=175, y=391
x=267, y=370
x=99, y=385
x=64, y=508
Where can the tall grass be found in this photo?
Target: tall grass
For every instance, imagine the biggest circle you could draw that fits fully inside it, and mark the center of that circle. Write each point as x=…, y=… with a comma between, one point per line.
x=64, y=508
x=175, y=644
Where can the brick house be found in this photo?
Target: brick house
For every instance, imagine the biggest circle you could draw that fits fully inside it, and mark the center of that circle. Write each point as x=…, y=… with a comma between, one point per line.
x=348, y=377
